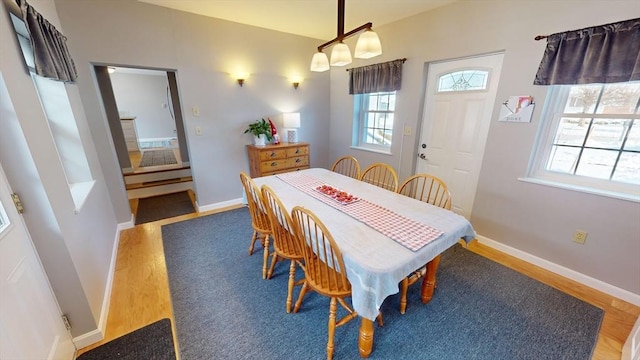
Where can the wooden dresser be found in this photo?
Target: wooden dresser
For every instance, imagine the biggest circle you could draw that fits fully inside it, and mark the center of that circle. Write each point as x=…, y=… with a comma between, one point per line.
x=130, y=134
x=275, y=159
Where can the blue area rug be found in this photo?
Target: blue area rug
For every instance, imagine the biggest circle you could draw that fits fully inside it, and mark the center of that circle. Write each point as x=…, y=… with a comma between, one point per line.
x=223, y=309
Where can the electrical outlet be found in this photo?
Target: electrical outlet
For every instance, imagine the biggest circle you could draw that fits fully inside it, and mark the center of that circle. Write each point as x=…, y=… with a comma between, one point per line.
x=198, y=130
x=195, y=110
x=580, y=236
x=407, y=130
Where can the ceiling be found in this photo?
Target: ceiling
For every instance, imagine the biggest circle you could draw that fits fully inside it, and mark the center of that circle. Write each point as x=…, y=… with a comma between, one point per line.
x=312, y=18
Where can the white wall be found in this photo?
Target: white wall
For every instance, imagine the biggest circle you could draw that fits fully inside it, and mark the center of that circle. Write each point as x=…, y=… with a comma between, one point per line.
x=204, y=52
x=74, y=244
x=538, y=220
x=145, y=97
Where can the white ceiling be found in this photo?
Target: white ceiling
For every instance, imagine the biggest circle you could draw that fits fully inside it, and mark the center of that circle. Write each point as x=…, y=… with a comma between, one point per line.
x=312, y=18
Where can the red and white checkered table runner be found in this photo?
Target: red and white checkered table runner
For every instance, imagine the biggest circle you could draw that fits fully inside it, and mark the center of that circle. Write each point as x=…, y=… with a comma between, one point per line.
x=409, y=233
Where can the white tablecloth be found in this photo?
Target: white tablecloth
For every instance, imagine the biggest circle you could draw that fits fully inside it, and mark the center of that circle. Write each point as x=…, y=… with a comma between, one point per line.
x=375, y=263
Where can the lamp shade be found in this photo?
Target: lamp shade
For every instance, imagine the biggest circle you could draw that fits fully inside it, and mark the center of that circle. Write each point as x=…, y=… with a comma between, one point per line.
x=291, y=120
x=319, y=62
x=340, y=55
x=368, y=45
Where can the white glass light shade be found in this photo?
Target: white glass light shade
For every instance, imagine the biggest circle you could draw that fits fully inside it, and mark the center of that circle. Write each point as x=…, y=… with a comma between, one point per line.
x=368, y=46
x=291, y=120
x=319, y=62
x=340, y=55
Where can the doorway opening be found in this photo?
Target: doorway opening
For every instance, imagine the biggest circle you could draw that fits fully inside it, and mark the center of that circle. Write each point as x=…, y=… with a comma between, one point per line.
x=147, y=129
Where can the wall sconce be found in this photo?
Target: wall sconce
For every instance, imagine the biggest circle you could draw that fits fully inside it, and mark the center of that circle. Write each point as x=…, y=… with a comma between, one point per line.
x=240, y=77
x=295, y=80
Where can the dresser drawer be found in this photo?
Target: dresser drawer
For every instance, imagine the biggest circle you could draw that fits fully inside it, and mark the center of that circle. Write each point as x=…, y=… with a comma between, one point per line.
x=273, y=154
x=298, y=161
x=275, y=159
x=274, y=165
x=297, y=151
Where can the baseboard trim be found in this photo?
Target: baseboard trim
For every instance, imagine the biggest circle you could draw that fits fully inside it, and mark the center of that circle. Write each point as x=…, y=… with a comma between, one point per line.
x=89, y=338
x=563, y=271
x=98, y=334
x=218, y=206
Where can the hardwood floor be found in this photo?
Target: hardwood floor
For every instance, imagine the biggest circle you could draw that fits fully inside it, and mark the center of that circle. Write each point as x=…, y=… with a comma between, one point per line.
x=140, y=293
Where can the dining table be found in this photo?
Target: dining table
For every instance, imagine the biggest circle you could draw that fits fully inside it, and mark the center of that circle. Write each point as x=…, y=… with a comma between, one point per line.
x=383, y=236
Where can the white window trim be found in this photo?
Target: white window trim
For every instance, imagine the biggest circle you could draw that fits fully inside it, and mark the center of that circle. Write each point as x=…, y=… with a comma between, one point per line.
x=357, y=142
x=536, y=173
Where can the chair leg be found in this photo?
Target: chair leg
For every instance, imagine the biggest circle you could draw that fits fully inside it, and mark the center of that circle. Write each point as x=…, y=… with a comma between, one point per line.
x=274, y=260
x=292, y=278
x=265, y=259
x=404, y=285
x=332, y=328
x=254, y=237
x=303, y=291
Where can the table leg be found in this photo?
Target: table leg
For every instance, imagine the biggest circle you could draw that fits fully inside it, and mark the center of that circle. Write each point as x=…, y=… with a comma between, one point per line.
x=429, y=280
x=365, y=340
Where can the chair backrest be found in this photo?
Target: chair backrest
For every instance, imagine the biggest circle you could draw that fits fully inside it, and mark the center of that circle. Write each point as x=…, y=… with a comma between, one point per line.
x=348, y=166
x=259, y=217
x=382, y=175
x=324, y=268
x=282, y=227
x=427, y=188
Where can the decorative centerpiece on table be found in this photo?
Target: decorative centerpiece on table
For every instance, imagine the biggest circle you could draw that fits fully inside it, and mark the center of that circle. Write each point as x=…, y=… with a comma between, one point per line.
x=261, y=131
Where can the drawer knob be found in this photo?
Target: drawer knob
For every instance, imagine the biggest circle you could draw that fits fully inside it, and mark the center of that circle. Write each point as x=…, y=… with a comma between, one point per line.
x=272, y=154
x=298, y=160
x=274, y=164
x=297, y=151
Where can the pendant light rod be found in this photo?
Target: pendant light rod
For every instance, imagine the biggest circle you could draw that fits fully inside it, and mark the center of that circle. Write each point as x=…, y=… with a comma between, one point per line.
x=341, y=37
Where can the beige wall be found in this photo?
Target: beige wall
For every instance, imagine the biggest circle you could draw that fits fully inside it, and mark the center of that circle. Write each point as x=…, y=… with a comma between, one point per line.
x=75, y=244
x=205, y=52
x=538, y=220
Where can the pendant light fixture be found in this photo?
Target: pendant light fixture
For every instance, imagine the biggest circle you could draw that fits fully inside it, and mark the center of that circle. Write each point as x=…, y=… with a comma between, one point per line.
x=368, y=45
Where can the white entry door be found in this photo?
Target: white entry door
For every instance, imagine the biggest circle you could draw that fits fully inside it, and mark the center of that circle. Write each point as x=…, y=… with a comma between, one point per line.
x=459, y=100
x=31, y=326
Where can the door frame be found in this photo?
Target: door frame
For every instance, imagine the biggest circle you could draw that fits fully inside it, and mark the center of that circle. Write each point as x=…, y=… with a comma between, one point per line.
x=423, y=100
x=107, y=95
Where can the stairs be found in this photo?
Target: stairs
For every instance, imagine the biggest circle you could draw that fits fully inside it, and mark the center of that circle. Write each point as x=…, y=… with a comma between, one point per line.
x=158, y=182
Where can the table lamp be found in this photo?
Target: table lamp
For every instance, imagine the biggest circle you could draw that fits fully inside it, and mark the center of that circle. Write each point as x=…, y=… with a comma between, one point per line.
x=291, y=121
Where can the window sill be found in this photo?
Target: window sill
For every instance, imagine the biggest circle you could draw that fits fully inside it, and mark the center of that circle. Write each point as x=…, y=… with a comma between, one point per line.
x=372, y=150
x=583, y=189
x=80, y=192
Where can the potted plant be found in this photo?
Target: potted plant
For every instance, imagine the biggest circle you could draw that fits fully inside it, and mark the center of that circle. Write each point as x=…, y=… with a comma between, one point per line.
x=261, y=130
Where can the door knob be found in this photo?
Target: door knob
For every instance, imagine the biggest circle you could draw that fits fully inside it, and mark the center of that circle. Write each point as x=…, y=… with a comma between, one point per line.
x=422, y=156
x=424, y=146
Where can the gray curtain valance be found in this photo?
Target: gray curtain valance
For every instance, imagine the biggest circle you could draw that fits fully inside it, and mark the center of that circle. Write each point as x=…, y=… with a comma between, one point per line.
x=600, y=54
x=51, y=55
x=376, y=78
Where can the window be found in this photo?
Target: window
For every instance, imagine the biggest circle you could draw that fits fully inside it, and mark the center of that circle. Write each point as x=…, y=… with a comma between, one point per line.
x=465, y=80
x=374, y=114
x=55, y=103
x=591, y=138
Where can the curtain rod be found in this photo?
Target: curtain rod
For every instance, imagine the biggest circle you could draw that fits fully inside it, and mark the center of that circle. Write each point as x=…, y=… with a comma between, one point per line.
x=403, y=60
x=540, y=37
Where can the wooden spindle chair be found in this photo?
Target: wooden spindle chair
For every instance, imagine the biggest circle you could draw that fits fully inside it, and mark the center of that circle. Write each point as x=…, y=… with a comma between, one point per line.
x=348, y=166
x=381, y=175
x=432, y=190
x=285, y=244
x=324, y=271
x=259, y=218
